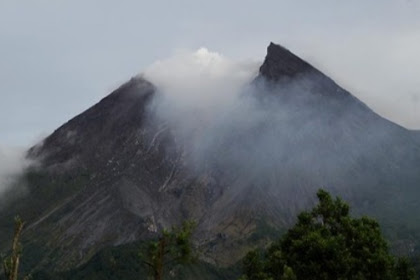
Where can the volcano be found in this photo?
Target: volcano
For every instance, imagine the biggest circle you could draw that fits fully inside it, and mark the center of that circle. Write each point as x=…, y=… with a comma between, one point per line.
x=116, y=174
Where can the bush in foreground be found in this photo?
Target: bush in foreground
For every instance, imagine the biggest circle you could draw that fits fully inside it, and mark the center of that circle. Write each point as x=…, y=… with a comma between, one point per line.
x=327, y=243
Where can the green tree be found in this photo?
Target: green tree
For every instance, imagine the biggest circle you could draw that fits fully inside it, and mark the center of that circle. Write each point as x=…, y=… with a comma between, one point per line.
x=172, y=248
x=404, y=269
x=254, y=267
x=327, y=243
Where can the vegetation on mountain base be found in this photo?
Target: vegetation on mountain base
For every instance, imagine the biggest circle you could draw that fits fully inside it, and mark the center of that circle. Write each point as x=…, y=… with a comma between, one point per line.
x=173, y=247
x=327, y=243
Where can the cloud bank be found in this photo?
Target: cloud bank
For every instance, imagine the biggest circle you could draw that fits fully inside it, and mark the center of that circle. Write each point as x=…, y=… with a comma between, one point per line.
x=12, y=164
x=282, y=138
x=200, y=79
x=196, y=90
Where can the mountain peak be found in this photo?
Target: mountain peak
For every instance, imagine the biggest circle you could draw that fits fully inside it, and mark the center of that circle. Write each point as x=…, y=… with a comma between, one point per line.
x=280, y=63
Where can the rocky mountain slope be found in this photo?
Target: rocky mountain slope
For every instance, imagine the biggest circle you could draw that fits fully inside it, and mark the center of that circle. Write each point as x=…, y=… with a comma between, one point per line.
x=116, y=174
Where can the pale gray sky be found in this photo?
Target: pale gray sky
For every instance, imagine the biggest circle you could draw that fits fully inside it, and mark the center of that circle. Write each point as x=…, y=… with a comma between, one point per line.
x=57, y=58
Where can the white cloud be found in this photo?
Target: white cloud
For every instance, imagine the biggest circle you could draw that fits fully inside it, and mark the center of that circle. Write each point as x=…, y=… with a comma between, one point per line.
x=12, y=164
x=200, y=79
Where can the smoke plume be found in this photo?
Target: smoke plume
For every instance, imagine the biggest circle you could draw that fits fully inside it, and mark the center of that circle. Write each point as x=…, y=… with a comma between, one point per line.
x=297, y=135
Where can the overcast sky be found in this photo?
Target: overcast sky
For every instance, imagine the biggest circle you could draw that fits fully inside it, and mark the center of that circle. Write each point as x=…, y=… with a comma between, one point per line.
x=57, y=58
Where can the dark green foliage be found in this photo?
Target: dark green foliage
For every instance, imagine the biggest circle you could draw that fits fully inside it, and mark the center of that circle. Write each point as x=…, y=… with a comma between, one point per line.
x=327, y=243
x=264, y=231
x=122, y=262
x=254, y=266
x=110, y=264
x=173, y=247
x=404, y=269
